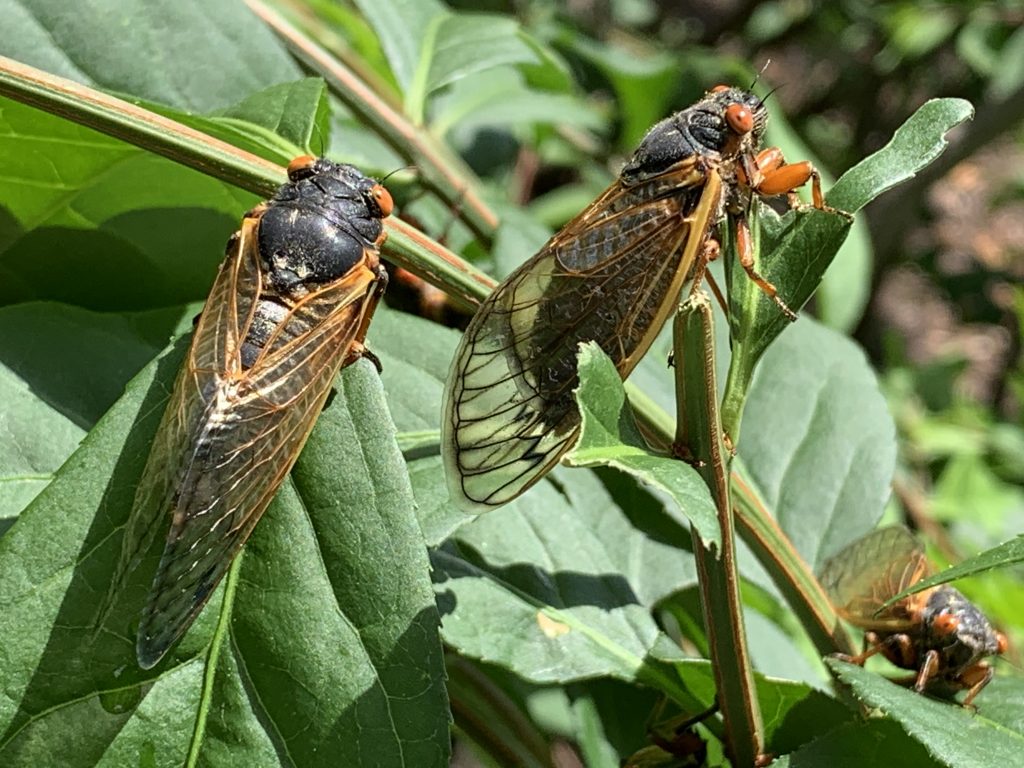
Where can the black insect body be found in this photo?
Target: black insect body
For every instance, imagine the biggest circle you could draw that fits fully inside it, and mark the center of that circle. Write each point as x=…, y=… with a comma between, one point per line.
x=612, y=275
x=289, y=308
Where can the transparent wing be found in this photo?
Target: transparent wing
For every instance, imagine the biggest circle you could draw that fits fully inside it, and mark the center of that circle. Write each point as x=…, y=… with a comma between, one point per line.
x=873, y=569
x=612, y=275
x=230, y=436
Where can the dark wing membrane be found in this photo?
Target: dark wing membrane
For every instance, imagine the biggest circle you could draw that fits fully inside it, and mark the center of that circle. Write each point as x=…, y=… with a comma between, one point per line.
x=230, y=436
x=612, y=275
x=862, y=577
x=213, y=356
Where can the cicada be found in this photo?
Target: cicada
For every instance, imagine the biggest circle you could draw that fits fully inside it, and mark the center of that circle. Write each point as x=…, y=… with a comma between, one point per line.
x=288, y=309
x=936, y=632
x=612, y=275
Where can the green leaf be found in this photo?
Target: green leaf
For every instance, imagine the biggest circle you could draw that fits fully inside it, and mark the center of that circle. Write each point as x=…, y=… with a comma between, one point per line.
x=297, y=112
x=400, y=26
x=916, y=143
x=950, y=733
x=855, y=745
x=61, y=368
x=540, y=589
x=413, y=376
x=818, y=440
x=793, y=713
x=137, y=244
x=331, y=650
x=458, y=45
x=800, y=247
x=610, y=438
x=470, y=43
x=193, y=55
x=500, y=98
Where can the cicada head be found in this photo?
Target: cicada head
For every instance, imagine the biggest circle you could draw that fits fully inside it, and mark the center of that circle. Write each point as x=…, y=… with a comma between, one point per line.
x=319, y=225
x=726, y=122
x=958, y=630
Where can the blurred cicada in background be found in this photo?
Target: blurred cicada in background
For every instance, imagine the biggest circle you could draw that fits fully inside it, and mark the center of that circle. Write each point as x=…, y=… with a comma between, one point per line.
x=289, y=308
x=936, y=632
x=612, y=275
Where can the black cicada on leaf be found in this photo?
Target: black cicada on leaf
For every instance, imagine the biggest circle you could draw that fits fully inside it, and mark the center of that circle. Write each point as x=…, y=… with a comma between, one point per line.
x=612, y=275
x=289, y=308
x=936, y=632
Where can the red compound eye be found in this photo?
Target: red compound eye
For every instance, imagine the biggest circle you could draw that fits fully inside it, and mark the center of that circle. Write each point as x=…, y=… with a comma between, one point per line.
x=1002, y=642
x=739, y=118
x=301, y=167
x=383, y=198
x=719, y=88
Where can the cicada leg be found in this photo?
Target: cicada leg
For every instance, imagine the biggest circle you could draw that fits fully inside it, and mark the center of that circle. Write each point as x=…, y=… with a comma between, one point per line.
x=769, y=174
x=357, y=348
x=975, y=678
x=745, y=248
x=897, y=648
x=928, y=670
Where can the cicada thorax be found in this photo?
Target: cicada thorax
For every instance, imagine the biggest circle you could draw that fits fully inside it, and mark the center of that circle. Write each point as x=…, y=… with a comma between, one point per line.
x=319, y=227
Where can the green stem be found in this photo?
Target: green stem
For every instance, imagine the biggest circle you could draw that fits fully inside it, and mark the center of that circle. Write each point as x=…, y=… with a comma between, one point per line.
x=406, y=246
x=210, y=665
x=698, y=430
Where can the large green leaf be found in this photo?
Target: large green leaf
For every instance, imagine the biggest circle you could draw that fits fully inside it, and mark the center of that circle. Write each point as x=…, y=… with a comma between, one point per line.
x=400, y=26
x=818, y=439
x=188, y=54
x=87, y=225
x=559, y=587
x=464, y=44
x=876, y=742
x=954, y=736
x=297, y=112
x=61, y=368
x=330, y=647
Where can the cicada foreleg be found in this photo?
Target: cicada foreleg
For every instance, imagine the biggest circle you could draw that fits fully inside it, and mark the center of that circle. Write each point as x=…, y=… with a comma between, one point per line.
x=768, y=174
x=357, y=348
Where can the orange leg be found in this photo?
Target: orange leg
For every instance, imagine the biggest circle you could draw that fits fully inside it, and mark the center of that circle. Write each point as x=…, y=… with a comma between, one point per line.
x=746, y=251
x=928, y=671
x=768, y=174
x=889, y=647
x=357, y=349
x=975, y=678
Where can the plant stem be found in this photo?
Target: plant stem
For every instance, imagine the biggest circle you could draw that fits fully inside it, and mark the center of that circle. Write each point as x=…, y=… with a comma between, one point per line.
x=699, y=430
x=406, y=246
